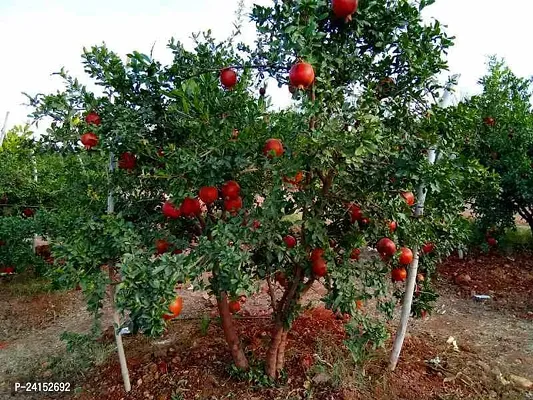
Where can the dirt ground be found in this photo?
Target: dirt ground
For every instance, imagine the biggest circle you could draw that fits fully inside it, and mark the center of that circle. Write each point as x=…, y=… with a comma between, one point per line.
x=464, y=350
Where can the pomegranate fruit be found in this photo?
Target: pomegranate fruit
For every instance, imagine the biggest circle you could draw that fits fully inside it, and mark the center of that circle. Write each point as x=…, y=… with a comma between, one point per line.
x=406, y=256
x=428, y=247
x=489, y=121
x=386, y=247
x=208, y=194
x=93, y=119
x=161, y=246
x=355, y=212
x=89, y=140
x=190, y=207
x=316, y=254
x=228, y=78
x=399, y=274
x=127, y=161
x=492, y=242
x=262, y=91
x=175, y=308
x=409, y=198
x=273, y=148
x=230, y=190
x=320, y=267
x=354, y=255
x=392, y=226
x=290, y=241
x=301, y=75
x=28, y=212
x=233, y=205
x=170, y=210
x=298, y=178
x=344, y=8
x=234, y=306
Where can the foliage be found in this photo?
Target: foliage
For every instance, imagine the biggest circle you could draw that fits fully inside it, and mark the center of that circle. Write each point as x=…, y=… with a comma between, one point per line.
x=499, y=133
x=354, y=139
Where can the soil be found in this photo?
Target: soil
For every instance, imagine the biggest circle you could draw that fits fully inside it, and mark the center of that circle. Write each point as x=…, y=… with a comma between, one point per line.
x=465, y=349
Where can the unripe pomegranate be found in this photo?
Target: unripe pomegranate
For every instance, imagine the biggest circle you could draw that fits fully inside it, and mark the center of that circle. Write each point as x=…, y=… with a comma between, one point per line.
x=302, y=75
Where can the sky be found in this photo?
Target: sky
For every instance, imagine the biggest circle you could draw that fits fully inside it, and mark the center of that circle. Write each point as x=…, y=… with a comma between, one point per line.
x=38, y=37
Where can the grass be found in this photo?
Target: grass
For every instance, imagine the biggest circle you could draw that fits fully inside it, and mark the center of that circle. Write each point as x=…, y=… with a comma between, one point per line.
x=517, y=239
x=83, y=353
x=26, y=285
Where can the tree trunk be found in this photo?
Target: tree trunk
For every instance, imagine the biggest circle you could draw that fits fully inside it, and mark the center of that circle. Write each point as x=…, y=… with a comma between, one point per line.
x=527, y=215
x=275, y=360
x=239, y=358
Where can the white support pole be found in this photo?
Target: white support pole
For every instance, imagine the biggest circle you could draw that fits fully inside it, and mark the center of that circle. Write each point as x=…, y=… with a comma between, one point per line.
x=3, y=131
x=116, y=316
x=413, y=268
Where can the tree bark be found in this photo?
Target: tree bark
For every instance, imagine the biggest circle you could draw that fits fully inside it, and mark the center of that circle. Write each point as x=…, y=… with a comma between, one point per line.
x=272, y=354
x=234, y=343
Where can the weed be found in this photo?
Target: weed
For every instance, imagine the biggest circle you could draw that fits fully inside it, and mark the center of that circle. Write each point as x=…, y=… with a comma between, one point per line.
x=205, y=322
x=83, y=353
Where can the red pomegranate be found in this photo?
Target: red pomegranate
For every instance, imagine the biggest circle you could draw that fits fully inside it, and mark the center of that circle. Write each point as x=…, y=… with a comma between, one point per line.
x=320, y=267
x=208, y=194
x=399, y=274
x=392, y=226
x=354, y=255
x=302, y=75
x=409, y=198
x=492, y=242
x=127, y=161
x=290, y=241
x=233, y=205
x=428, y=247
x=489, y=121
x=406, y=256
x=230, y=190
x=89, y=140
x=344, y=8
x=228, y=78
x=170, y=210
x=190, y=207
x=28, y=212
x=162, y=246
x=234, y=306
x=273, y=148
x=93, y=119
x=316, y=254
x=355, y=212
x=386, y=247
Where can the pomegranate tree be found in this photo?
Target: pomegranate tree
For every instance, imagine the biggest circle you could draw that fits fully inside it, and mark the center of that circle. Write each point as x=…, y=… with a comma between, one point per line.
x=298, y=198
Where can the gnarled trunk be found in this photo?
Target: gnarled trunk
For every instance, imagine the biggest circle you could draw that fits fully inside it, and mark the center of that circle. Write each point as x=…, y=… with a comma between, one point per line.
x=234, y=343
